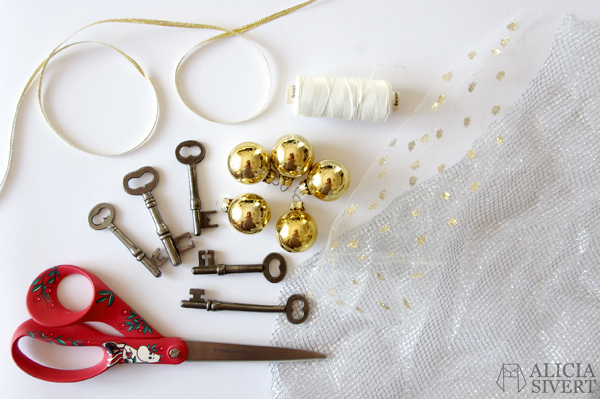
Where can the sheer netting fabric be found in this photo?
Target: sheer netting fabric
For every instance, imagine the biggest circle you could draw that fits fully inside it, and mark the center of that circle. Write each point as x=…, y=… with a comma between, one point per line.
x=480, y=280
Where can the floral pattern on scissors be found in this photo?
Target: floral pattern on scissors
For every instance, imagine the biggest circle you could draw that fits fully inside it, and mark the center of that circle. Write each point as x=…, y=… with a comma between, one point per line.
x=60, y=340
x=134, y=322
x=44, y=285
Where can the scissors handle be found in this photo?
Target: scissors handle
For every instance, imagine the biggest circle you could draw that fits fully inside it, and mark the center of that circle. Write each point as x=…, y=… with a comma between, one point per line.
x=117, y=350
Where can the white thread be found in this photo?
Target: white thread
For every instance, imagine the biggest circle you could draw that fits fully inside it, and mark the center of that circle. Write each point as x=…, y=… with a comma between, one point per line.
x=343, y=98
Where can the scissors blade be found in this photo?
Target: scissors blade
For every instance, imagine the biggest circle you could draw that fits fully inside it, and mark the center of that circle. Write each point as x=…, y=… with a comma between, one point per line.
x=214, y=351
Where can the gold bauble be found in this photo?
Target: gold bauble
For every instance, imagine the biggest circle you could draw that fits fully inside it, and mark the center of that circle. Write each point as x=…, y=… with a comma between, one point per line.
x=292, y=156
x=296, y=231
x=249, y=163
x=248, y=213
x=327, y=180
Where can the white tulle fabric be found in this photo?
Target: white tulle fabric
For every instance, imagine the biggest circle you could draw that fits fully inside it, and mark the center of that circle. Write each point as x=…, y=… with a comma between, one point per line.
x=492, y=263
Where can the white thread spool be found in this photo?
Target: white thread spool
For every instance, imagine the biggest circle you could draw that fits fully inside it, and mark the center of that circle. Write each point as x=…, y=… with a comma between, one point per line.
x=343, y=98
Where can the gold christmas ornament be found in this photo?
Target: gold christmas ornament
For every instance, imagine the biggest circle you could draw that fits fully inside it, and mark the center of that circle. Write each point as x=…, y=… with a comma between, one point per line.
x=248, y=213
x=296, y=230
x=292, y=156
x=327, y=180
x=249, y=163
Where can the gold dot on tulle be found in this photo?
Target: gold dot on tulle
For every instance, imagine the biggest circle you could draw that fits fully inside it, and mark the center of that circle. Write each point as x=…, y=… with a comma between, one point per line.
x=447, y=76
x=382, y=173
x=512, y=26
x=440, y=100
x=500, y=140
x=421, y=239
x=411, y=145
x=334, y=245
x=382, y=161
x=475, y=186
x=504, y=42
x=412, y=181
x=496, y=109
x=354, y=282
x=500, y=75
x=406, y=303
x=472, y=87
x=383, y=194
x=353, y=243
x=384, y=305
x=360, y=310
x=351, y=209
x=331, y=290
x=361, y=257
x=425, y=138
x=415, y=165
x=472, y=55
x=496, y=51
x=373, y=206
x=391, y=253
x=331, y=258
x=385, y=229
x=380, y=276
x=446, y=195
x=393, y=143
x=416, y=213
x=310, y=295
x=452, y=222
x=441, y=167
x=320, y=265
x=439, y=133
x=467, y=121
x=340, y=303
x=471, y=153
x=417, y=275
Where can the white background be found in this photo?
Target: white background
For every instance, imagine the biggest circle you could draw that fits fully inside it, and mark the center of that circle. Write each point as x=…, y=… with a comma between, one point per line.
x=97, y=99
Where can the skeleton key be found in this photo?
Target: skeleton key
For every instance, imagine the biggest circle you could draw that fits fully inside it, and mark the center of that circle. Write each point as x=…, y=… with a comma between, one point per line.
x=201, y=219
x=162, y=229
x=151, y=263
x=221, y=270
x=197, y=302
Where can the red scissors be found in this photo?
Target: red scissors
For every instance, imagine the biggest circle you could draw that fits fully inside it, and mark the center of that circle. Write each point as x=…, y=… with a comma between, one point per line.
x=52, y=322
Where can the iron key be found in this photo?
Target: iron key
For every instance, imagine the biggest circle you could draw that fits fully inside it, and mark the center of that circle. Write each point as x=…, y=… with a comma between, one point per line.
x=221, y=270
x=198, y=302
x=162, y=229
x=201, y=219
x=152, y=263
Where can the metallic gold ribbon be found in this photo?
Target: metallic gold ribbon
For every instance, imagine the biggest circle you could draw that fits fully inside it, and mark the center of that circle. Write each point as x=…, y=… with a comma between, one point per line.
x=61, y=47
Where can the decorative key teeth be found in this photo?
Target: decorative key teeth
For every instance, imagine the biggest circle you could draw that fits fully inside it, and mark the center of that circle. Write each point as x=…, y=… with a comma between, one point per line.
x=208, y=258
x=151, y=262
x=185, y=236
x=157, y=258
x=200, y=218
x=198, y=302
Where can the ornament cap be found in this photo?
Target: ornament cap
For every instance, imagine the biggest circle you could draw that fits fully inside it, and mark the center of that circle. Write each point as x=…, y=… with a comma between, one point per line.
x=286, y=180
x=297, y=206
x=225, y=203
x=303, y=188
x=270, y=178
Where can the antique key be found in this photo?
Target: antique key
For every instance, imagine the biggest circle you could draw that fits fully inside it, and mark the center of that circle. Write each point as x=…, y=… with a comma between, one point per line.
x=162, y=229
x=210, y=267
x=201, y=219
x=152, y=263
x=197, y=302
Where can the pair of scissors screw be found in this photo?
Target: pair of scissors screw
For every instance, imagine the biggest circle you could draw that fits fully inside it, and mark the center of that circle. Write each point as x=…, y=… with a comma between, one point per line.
x=53, y=323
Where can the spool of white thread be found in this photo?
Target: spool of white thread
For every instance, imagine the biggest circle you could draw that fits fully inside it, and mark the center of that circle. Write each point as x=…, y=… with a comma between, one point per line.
x=343, y=98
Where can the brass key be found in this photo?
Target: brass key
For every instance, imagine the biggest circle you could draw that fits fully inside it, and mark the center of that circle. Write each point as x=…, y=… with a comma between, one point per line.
x=198, y=302
x=210, y=267
x=162, y=229
x=152, y=263
x=201, y=219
